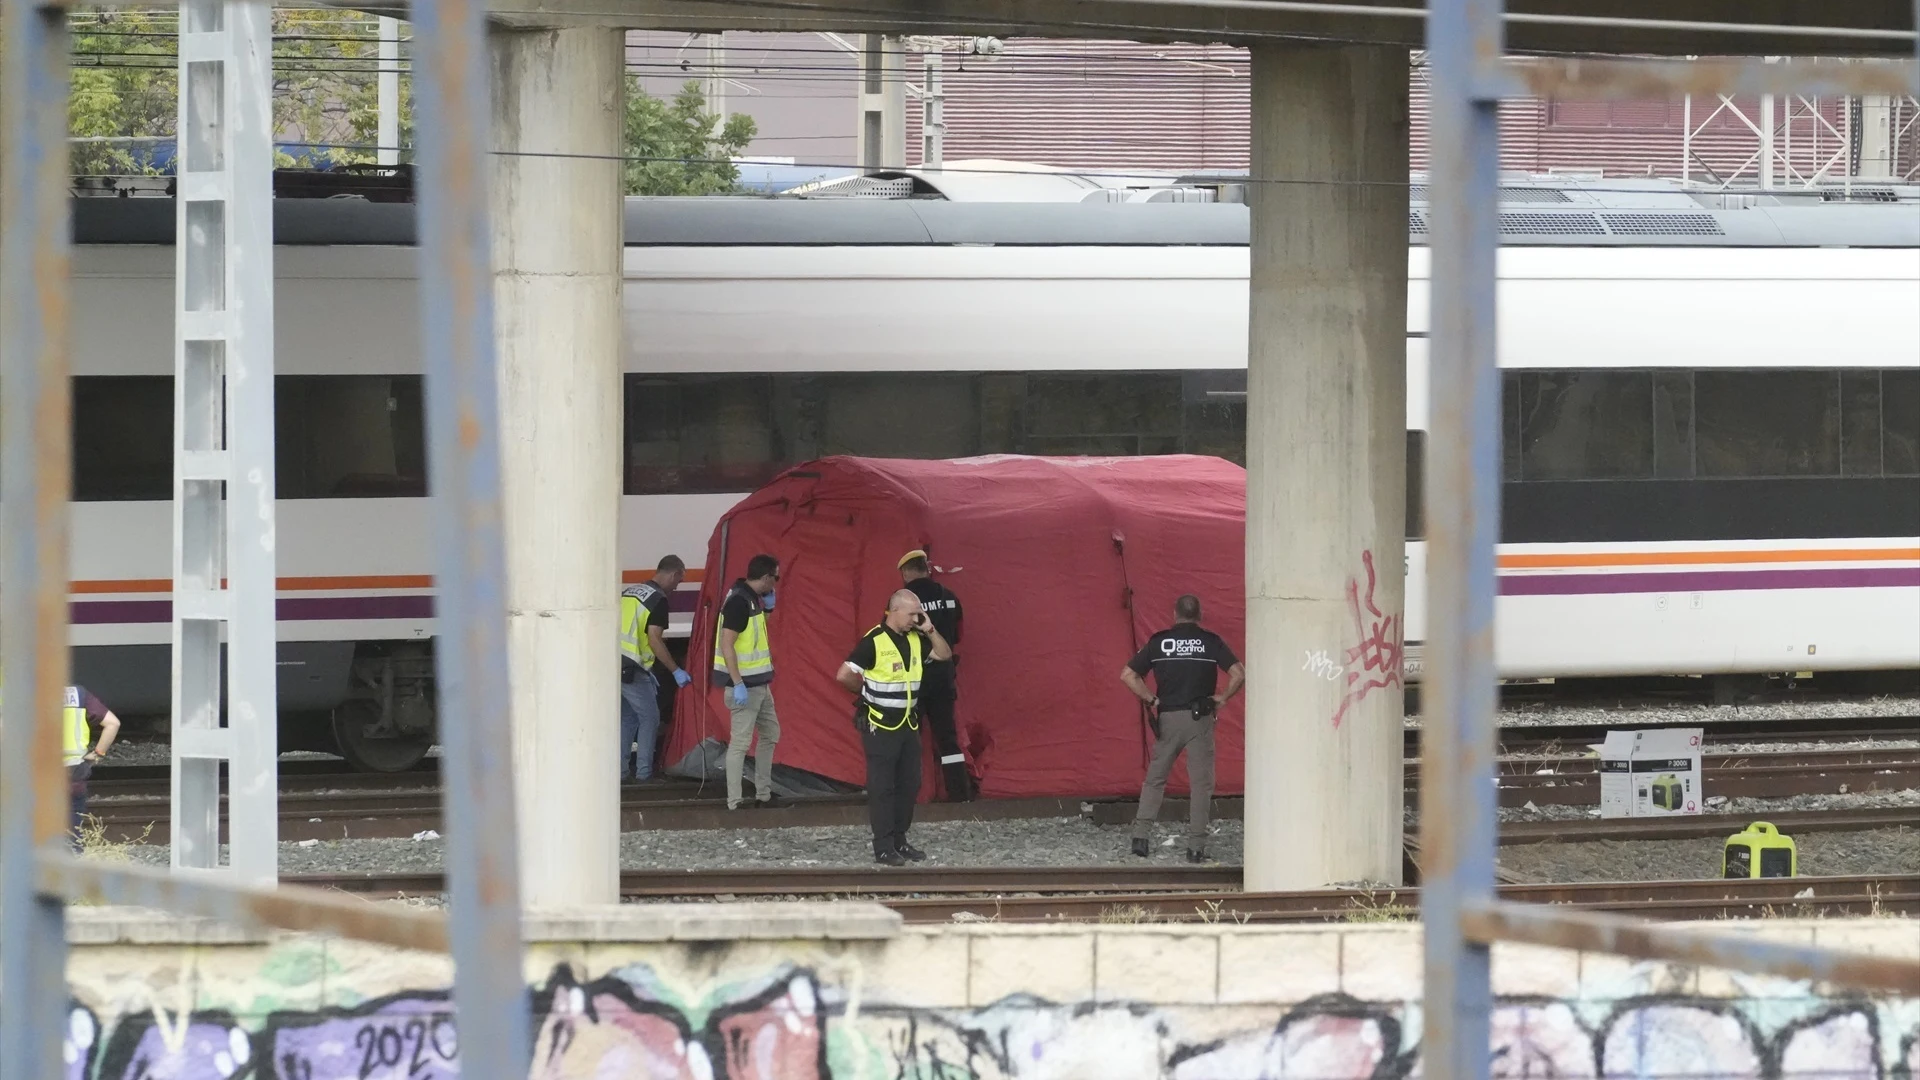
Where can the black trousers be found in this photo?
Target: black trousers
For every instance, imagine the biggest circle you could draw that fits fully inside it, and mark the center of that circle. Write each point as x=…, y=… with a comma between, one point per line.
x=893, y=783
x=937, y=694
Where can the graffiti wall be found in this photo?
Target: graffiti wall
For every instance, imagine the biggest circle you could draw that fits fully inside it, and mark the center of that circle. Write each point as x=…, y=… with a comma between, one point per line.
x=296, y=1010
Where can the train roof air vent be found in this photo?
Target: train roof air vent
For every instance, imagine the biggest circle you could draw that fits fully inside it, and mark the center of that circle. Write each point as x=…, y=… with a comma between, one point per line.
x=1418, y=193
x=1551, y=224
x=1662, y=225
x=1417, y=221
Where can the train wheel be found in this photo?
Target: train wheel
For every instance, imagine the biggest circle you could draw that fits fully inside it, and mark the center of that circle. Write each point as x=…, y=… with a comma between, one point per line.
x=372, y=746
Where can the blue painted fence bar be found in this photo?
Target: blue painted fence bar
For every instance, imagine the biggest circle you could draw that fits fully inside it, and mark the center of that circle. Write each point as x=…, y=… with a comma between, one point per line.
x=463, y=455
x=483, y=930
x=1459, y=825
x=1458, y=816
x=35, y=474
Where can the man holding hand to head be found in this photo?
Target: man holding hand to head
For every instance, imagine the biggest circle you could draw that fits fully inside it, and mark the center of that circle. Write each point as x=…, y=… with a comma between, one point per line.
x=886, y=669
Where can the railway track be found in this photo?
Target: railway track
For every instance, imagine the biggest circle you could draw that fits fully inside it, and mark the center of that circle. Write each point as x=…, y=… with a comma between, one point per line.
x=320, y=803
x=1202, y=894
x=1537, y=738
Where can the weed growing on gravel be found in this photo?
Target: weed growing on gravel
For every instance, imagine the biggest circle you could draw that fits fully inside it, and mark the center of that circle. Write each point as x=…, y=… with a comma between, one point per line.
x=1366, y=909
x=1126, y=914
x=1215, y=911
x=95, y=845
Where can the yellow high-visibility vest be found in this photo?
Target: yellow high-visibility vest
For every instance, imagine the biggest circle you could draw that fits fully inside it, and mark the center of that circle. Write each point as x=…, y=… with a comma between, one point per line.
x=750, y=647
x=892, y=683
x=75, y=738
x=635, y=645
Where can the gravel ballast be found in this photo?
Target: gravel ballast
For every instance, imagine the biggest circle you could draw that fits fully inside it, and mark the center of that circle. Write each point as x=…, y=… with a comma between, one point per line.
x=1883, y=851
x=1034, y=842
x=1631, y=712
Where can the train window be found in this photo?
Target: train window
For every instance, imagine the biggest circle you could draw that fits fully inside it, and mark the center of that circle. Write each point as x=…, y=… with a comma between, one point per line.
x=713, y=433
x=122, y=437
x=920, y=416
x=1416, y=485
x=1586, y=425
x=1767, y=423
x=1673, y=424
x=1860, y=423
x=1510, y=425
x=1900, y=422
x=1104, y=410
x=699, y=433
x=349, y=437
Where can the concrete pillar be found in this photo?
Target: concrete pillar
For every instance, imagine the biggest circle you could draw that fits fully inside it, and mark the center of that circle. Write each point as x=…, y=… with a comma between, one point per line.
x=1326, y=465
x=557, y=251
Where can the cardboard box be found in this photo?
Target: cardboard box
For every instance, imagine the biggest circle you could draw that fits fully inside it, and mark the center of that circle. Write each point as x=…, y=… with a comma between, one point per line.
x=1650, y=773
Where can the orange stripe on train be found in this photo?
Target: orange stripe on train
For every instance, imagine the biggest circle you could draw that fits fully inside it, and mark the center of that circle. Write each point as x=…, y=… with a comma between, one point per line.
x=1551, y=560
x=313, y=584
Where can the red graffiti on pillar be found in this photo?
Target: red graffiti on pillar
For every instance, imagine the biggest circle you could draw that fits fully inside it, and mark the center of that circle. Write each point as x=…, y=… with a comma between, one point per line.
x=1374, y=663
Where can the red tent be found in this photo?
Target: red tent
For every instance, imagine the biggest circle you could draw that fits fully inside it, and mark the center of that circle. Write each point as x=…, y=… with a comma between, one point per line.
x=1063, y=567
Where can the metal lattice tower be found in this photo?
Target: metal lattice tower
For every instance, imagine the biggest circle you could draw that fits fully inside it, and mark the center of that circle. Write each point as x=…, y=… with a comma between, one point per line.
x=223, y=510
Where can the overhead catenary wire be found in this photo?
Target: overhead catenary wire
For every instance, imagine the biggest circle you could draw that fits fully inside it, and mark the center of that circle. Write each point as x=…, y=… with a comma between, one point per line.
x=1227, y=177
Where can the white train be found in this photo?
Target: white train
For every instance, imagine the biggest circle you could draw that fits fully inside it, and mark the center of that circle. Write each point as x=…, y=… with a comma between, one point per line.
x=1712, y=445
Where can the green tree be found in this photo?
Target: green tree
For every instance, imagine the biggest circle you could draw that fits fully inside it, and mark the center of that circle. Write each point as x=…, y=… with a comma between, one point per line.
x=125, y=89
x=326, y=93
x=677, y=147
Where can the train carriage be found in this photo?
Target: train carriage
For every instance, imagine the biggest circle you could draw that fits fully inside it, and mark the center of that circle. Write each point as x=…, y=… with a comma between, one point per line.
x=1711, y=411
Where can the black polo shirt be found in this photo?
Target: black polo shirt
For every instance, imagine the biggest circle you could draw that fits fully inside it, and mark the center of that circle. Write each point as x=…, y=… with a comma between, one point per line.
x=941, y=606
x=1186, y=662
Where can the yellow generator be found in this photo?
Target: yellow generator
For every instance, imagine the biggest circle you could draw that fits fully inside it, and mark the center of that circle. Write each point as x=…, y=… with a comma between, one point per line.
x=1668, y=793
x=1760, y=851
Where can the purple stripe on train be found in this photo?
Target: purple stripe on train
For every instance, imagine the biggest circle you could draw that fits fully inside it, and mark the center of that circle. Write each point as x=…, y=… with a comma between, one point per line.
x=311, y=608
x=296, y=609
x=1861, y=577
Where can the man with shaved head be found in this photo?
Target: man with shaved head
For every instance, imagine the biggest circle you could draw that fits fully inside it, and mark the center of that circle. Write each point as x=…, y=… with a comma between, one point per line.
x=886, y=670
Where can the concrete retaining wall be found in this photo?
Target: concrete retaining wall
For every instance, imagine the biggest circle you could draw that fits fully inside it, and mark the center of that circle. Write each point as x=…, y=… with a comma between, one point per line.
x=843, y=992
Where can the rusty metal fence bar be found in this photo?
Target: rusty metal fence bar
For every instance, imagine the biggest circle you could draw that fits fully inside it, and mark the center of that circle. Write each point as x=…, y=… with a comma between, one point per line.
x=463, y=451
x=35, y=473
x=1458, y=905
x=37, y=875
x=1463, y=527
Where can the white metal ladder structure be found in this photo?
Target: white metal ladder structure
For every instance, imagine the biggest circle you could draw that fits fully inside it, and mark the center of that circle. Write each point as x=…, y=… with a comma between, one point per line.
x=223, y=510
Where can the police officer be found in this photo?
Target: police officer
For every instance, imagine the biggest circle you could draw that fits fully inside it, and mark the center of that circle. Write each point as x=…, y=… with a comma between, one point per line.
x=887, y=670
x=1186, y=662
x=743, y=666
x=78, y=707
x=939, y=689
x=643, y=648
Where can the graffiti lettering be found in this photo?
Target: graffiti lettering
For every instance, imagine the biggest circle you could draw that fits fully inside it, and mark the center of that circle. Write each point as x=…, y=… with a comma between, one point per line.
x=790, y=1024
x=1374, y=661
x=1319, y=663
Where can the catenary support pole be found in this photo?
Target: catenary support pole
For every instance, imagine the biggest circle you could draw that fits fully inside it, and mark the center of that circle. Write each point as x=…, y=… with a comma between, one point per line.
x=557, y=204
x=1326, y=465
x=35, y=472
x=463, y=435
x=1457, y=830
x=223, y=508
x=388, y=89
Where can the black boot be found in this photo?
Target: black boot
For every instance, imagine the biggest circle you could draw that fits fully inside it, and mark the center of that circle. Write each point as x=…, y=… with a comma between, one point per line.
x=889, y=858
x=1196, y=856
x=909, y=852
x=1140, y=846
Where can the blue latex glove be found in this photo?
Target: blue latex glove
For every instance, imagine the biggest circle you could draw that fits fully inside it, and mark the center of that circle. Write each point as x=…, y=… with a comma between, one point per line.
x=681, y=678
x=767, y=600
x=739, y=693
